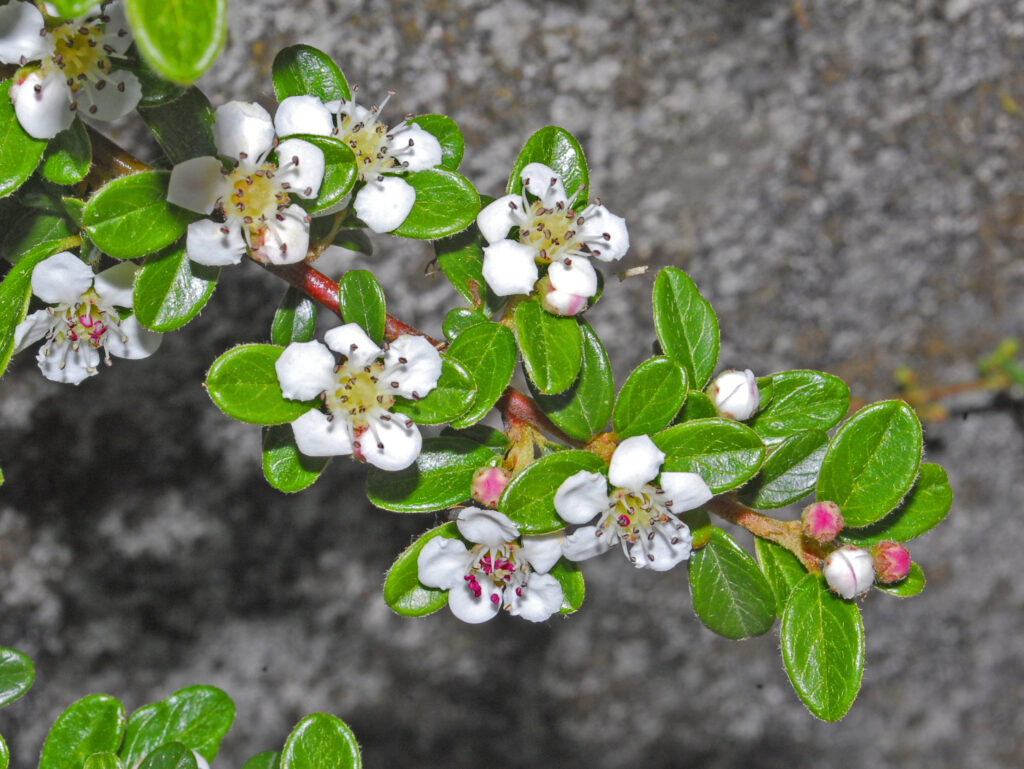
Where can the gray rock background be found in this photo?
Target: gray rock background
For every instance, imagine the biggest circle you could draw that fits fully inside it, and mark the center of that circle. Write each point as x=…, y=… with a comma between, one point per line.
x=842, y=179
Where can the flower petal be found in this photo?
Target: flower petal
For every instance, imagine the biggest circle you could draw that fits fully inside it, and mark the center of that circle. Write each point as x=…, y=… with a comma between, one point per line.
x=581, y=496
x=316, y=436
x=61, y=278
x=442, y=563
x=509, y=268
x=300, y=165
x=469, y=608
x=134, y=340
x=116, y=32
x=243, y=130
x=391, y=444
x=285, y=237
x=684, y=491
x=77, y=364
x=304, y=370
x=418, y=375
x=20, y=25
x=303, y=115
x=114, y=96
x=32, y=329
x=207, y=243
x=604, y=233
x=42, y=104
x=498, y=217
x=662, y=553
x=488, y=527
x=543, y=551
x=351, y=341
x=115, y=284
x=414, y=148
x=635, y=463
x=197, y=184
x=584, y=543
x=538, y=599
x=542, y=182
x=384, y=203
x=574, y=276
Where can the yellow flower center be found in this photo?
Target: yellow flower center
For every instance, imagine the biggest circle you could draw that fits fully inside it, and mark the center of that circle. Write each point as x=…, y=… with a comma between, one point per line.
x=369, y=142
x=551, y=231
x=359, y=393
x=255, y=195
x=78, y=53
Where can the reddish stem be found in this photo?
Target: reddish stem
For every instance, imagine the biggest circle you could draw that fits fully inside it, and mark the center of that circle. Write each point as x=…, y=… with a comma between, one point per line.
x=784, y=533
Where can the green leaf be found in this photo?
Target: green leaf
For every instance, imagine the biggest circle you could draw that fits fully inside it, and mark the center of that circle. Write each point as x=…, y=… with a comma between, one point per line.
x=781, y=568
x=697, y=406
x=529, y=499
x=295, y=318
x=446, y=203
x=583, y=410
x=801, y=400
x=558, y=149
x=650, y=398
x=552, y=347
x=361, y=300
x=104, y=761
x=243, y=383
x=270, y=759
x=461, y=259
x=871, y=462
x=130, y=216
x=19, y=152
x=70, y=9
x=789, y=472
x=93, y=724
x=927, y=503
x=447, y=401
x=171, y=289
x=699, y=523
x=16, y=675
x=5, y=755
x=730, y=595
x=15, y=293
x=173, y=755
x=340, y=174
x=488, y=352
x=68, y=156
x=321, y=741
x=302, y=69
x=182, y=124
x=198, y=717
x=33, y=229
x=447, y=133
x=285, y=467
x=459, y=319
x=353, y=240
x=686, y=325
x=570, y=578
x=908, y=587
x=822, y=648
x=725, y=453
x=441, y=477
x=494, y=439
x=403, y=590
x=179, y=38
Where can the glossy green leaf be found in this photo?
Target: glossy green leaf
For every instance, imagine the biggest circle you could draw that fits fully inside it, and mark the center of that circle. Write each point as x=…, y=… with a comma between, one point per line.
x=485, y=435
x=171, y=289
x=730, y=595
x=906, y=588
x=446, y=203
x=723, y=452
x=19, y=152
x=16, y=675
x=686, y=325
x=93, y=724
x=871, y=462
x=243, y=383
x=822, y=648
x=459, y=319
x=529, y=499
x=697, y=406
x=181, y=123
x=650, y=398
x=5, y=754
x=781, y=568
x=68, y=156
x=340, y=175
x=197, y=717
x=321, y=741
x=441, y=477
x=270, y=759
x=33, y=229
x=558, y=149
x=574, y=588
x=583, y=410
x=403, y=591
x=789, y=472
x=104, y=761
x=461, y=259
x=488, y=352
x=173, y=755
x=452, y=396
x=447, y=133
x=179, y=38
x=552, y=347
x=362, y=301
x=285, y=467
x=353, y=240
x=15, y=293
x=302, y=69
x=699, y=523
x=130, y=216
x=295, y=318
x=924, y=507
x=801, y=400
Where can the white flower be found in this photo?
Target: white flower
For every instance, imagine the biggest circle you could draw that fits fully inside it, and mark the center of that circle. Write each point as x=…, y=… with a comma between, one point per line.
x=74, y=72
x=549, y=232
x=82, y=320
x=498, y=571
x=849, y=571
x=253, y=197
x=735, y=394
x=358, y=394
x=636, y=515
x=382, y=154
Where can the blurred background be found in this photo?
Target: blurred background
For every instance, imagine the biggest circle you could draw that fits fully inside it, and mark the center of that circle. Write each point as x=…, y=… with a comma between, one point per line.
x=844, y=182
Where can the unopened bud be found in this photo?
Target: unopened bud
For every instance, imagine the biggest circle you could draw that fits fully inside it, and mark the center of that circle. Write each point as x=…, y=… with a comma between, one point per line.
x=735, y=394
x=891, y=560
x=822, y=521
x=849, y=571
x=559, y=302
x=488, y=483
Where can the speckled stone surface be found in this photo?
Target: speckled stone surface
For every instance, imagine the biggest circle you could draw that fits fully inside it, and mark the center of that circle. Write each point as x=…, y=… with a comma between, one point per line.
x=844, y=182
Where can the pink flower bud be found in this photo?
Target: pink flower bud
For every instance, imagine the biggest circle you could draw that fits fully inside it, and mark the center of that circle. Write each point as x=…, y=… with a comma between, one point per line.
x=849, y=571
x=822, y=521
x=560, y=302
x=892, y=562
x=735, y=394
x=488, y=483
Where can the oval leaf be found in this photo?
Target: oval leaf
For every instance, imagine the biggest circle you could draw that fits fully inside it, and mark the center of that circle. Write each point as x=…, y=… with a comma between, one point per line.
x=447, y=133
x=243, y=383
x=552, y=347
x=908, y=587
x=181, y=124
x=173, y=755
x=295, y=318
x=19, y=152
x=16, y=675
x=320, y=741
x=285, y=467
x=686, y=325
x=529, y=499
x=488, y=352
x=31, y=229
x=94, y=724
x=339, y=174
x=801, y=400
x=446, y=203
x=459, y=319
x=303, y=69
x=403, y=590
x=130, y=216
x=723, y=452
x=650, y=398
x=697, y=406
x=171, y=289
x=927, y=504
x=361, y=300
x=179, y=38
x=574, y=588
x=68, y=155
x=789, y=473
x=198, y=717
x=452, y=396
x=558, y=149
x=781, y=568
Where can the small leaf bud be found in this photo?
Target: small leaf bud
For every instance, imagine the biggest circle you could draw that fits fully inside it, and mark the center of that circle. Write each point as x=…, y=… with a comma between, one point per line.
x=822, y=521
x=735, y=394
x=488, y=483
x=849, y=571
x=891, y=560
